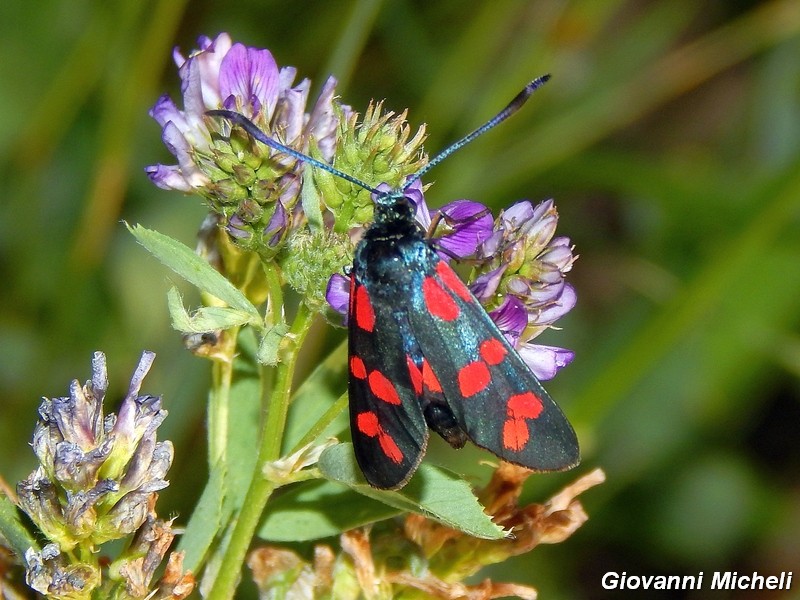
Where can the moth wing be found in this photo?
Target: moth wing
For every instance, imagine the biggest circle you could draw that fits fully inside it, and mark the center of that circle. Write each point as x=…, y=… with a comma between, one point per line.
x=388, y=427
x=493, y=395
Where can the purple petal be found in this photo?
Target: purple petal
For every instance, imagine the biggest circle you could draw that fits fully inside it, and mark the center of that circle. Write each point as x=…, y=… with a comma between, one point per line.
x=181, y=149
x=545, y=361
x=209, y=64
x=322, y=121
x=192, y=90
x=200, y=72
x=168, y=177
x=469, y=229
x=251, y=75
x=290, y=115
x=540, y=232
x=178, y=57
x=515, y=215
x=553, y=311
x=414, y=193
x=276, y=228
x=286, y=77
x=237, y=228
x=534, y=294
x=205, y=43
x=165, y=110
x=559, y=254
x=485, y=286
x=542, y=209
x=338, y=294
x=511, y=318
x=490, y=246
x=536, y=224
x=177, y=144
x=290, y=188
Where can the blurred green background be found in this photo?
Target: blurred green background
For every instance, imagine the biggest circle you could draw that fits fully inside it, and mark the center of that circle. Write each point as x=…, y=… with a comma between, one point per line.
x=669, y=136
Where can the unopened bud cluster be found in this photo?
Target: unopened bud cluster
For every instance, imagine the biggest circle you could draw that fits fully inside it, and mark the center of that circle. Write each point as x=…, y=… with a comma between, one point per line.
x=376, y=149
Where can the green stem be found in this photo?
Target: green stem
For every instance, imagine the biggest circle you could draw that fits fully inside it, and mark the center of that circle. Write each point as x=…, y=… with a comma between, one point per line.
x=219, y=399
x=326, y=419
x=260, y=488
x=274, y=295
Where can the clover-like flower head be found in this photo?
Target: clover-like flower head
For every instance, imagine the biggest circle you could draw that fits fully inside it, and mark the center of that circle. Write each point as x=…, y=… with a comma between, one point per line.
x=254, y=188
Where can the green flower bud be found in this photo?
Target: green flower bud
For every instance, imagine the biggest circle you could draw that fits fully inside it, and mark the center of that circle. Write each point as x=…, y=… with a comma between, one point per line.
x=374, y=150
x=310, y=260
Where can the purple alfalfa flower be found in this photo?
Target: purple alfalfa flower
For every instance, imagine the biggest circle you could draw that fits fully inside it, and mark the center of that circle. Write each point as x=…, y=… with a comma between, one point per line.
x=223, y=74
x=523, y=274
x=457, y=228
x=338, y=294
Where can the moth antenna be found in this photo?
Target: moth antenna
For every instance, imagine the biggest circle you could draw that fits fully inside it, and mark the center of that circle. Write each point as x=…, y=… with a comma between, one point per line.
x=509, y=110
x=262, y=137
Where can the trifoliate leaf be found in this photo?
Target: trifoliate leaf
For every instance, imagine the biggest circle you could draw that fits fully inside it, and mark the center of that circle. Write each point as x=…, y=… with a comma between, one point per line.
x=206, y=318
x=182, y=259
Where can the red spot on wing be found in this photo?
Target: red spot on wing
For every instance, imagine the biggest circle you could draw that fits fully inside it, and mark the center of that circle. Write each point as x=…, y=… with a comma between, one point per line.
x=423, y=377
x=357, y=368
x=364, y=314
x=380, y=385
x=416, y=375
x=520, y=408
x=453, y=281
x=438, y=301
x=429, y=378
x=390, y=448
x=473, y=378
x=492, y=351
x=524, y=406
x=515, y=434
x=368, y=424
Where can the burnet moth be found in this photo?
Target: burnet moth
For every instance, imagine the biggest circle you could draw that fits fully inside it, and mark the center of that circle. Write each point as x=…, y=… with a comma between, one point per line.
x=423, y=352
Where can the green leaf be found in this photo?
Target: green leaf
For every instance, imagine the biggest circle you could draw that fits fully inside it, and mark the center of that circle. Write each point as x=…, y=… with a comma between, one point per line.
x=310, y=199
x=318, y=509
x=431, y=492
x=315, y=396
x=206, y=521
x=230, y=477
x=182, y=259
x=206, y=318
x=244, y=421
x=270, y=344
x=14, y=532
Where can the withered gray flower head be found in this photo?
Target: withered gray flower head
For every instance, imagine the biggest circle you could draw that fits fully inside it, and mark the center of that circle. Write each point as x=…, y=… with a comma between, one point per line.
x=97, y=476
x=49, y=574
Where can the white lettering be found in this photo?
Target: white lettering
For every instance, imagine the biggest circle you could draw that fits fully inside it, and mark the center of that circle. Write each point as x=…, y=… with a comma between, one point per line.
x=722, y=581
x=613, y=580
x=731, y=580
x=610, y=580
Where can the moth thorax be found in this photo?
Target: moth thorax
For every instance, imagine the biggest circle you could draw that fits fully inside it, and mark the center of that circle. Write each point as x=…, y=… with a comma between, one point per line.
x=394, y=208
